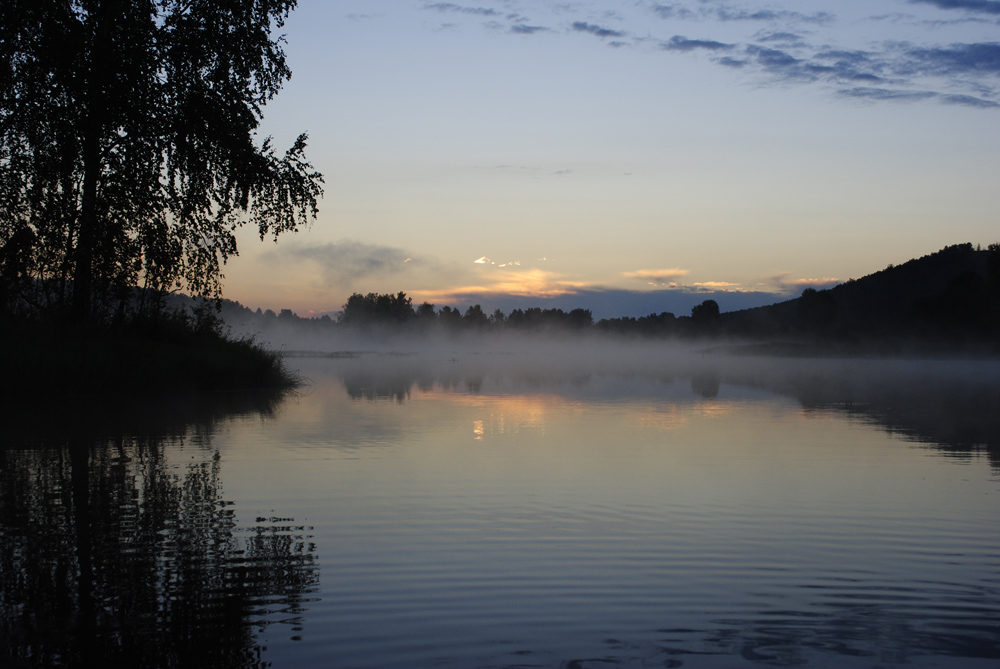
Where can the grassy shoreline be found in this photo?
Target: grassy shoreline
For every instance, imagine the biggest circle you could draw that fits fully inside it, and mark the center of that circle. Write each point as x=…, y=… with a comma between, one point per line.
x=38, y=358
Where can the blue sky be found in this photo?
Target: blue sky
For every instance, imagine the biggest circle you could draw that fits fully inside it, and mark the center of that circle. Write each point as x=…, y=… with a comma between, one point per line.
x=646, y=151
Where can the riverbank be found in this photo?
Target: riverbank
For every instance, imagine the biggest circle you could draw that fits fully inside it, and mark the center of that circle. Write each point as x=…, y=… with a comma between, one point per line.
x=39, y=357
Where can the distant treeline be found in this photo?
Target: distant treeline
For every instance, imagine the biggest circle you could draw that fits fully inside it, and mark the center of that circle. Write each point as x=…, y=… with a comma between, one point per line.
x=951, y=296
x=396, y=312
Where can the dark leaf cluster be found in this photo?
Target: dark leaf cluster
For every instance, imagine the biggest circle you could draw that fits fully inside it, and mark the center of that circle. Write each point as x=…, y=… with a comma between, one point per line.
x=128, y=149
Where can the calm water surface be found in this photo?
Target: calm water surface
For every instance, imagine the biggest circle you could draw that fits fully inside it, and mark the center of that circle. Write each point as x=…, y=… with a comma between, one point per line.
x=489, y=512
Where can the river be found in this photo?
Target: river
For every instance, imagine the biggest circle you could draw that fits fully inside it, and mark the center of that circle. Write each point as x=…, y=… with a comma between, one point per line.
x=499, y=509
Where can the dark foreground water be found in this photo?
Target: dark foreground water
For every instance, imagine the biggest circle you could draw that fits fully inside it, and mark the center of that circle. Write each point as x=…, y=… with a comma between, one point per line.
x=497, y=511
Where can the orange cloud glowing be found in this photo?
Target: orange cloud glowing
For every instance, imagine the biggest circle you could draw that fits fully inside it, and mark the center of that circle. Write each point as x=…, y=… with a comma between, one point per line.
x=717, y=285
x=530, y=283
x=785, y=284
x=658, y=275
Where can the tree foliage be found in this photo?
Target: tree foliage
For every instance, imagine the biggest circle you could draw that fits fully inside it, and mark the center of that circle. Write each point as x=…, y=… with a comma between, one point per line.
x=128, y=152
x=377, y=308
x=817, y=310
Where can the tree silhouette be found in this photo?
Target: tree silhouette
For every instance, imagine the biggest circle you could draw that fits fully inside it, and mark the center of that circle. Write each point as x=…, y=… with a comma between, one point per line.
x=376, y=308
x=653, y=325
x=127, y=145
x=706, y=311
x=962, y=309
x=450, y=318
x=817, y=309
x=705, y=317
x=475, y=317
x=580, y=319
x=425, y=313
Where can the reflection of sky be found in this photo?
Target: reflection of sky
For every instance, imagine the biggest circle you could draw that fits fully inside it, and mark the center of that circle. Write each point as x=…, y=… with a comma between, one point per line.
x=724, y=145
x=601, y=425
x=555, y=517
x=955, y=404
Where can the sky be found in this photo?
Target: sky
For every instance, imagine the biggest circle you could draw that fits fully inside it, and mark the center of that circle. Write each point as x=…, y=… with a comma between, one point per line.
x=629, y=157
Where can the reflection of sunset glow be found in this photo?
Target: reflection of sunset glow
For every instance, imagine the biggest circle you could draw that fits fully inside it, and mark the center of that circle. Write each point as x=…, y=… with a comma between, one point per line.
x=662, y=417
x=505, y=414
x=533, y=404
x=714, y=408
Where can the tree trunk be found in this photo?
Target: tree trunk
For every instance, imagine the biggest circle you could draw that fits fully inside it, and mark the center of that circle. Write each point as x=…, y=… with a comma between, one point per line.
x=83, y=271
x=100, y=74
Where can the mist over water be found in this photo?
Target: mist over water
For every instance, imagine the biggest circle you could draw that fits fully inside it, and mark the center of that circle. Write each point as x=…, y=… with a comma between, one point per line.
x=951, y=399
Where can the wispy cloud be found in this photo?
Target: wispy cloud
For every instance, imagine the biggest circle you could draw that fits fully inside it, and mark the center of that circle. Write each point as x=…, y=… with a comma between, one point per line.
x=659, y=277
x=670, y=279
x=772, y=16
x=341, y=264
x=524, y=29
x=955, y=59
x=983, y=6
x=460, y=9
x=728, y=13
x=584, y=27
x=894, y=73
x=783, y=284
x=895, y=95
x=886, y=94
x=724, y=286
x=784, y=38
x=965, y=74
x=679, y=43
x=783, y=45
x=486, y=261
x=672, y=11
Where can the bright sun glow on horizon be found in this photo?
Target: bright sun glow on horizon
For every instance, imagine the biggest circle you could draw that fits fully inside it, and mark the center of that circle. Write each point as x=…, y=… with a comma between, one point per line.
x=530, y=283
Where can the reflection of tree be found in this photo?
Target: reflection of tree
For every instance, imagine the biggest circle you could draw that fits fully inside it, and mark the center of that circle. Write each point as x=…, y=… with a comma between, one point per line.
x=371, y=388
x=706, y=385
x=960, y=417
x=109, y=553
x=953, y=406
x=397, y=386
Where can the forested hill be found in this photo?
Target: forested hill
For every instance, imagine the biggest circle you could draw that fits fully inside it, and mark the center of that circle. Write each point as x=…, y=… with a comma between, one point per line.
x=954, y=290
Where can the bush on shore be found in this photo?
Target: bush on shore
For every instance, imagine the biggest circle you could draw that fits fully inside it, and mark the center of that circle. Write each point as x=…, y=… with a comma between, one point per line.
x=177, y=352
